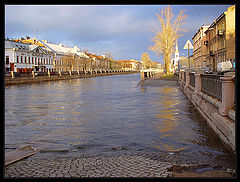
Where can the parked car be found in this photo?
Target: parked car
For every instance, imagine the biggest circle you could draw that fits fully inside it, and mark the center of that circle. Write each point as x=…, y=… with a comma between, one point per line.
x=177, y=71
x=224, y=67
x=8, y=74
x=38, y=73
x=16, y=74
x=207, y=70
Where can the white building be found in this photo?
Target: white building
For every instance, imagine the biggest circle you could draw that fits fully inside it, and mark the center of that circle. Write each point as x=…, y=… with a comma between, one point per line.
x=61, y=51
x=174, y=61
x=23, y=57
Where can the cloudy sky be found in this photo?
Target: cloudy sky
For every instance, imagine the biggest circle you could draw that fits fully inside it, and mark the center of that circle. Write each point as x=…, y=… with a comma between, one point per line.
x=123, y=30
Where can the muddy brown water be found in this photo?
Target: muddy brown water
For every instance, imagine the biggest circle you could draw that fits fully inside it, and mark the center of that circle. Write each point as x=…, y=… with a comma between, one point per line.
x=110, y=116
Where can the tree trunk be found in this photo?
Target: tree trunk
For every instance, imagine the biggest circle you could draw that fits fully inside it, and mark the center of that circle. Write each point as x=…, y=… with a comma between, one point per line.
x=167, y=63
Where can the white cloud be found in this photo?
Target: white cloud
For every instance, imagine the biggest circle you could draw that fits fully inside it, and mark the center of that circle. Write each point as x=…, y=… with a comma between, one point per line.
x=122, y=30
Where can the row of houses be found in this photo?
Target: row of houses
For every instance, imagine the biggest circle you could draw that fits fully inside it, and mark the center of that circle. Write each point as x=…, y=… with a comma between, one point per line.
x=26, y=55
x=215, y=43
x=130, y=65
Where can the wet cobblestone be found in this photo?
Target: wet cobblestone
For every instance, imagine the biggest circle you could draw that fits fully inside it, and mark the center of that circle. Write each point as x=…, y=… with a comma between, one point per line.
x=120, y=166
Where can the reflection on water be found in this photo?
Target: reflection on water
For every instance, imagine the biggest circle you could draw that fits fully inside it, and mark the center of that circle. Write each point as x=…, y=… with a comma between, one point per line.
x=168, y=114
x=106, y=115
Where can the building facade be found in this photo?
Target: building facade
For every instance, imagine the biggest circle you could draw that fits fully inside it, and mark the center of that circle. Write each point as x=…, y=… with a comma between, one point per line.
x=184, y=63
x=200, y=48
x=70, y=59
x=220, y=37
x=24, y=58
x=65, y=58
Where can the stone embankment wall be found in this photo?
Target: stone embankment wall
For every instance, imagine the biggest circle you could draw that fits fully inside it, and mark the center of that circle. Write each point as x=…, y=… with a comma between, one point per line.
x=30, y=79
x=217, y=113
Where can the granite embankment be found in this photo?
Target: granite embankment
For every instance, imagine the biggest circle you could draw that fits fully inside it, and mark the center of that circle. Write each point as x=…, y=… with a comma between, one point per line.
x=36, y=79
x=186, y=171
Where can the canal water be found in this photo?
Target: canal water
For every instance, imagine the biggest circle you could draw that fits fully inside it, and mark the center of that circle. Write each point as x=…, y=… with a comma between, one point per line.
x=109, y=116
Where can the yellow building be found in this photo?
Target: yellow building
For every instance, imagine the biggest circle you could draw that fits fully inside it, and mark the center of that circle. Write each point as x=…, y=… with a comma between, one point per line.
x=220, y=37
x=199, y=48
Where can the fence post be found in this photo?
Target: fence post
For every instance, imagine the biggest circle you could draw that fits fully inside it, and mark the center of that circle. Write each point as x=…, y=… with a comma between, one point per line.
x=179, y=76
x=142, y=75
x=227, y=95
x=48, y=73
x=198, y=83
x=12, y=74
x=183, y=76
x=187, y=79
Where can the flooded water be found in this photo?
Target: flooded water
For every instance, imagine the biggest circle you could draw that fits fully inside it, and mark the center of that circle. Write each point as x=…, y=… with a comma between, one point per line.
x=109, y=116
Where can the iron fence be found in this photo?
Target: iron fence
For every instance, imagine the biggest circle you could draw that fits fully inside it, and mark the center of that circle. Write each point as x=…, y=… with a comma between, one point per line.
x=192, y=79
x=184, y=78
x=212, y=85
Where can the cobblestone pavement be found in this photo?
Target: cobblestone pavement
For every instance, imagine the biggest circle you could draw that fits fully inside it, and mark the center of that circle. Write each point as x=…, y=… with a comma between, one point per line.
x=120, y=166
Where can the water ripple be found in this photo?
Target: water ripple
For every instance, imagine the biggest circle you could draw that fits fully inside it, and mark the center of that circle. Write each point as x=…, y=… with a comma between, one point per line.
x=106, y=115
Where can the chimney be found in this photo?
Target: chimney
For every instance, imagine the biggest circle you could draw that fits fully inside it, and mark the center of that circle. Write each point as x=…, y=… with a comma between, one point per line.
x=45, y=41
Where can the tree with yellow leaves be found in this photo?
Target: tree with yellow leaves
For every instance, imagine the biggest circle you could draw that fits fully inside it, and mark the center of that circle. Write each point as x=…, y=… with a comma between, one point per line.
x=166, y=36
x=146, y=60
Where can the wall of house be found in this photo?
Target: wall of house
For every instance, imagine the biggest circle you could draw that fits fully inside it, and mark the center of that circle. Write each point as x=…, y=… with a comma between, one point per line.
x=230, y=32
x=10, y=53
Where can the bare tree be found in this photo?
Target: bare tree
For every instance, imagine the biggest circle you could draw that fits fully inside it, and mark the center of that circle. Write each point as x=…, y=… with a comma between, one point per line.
x=166, y=36
x=146, y=60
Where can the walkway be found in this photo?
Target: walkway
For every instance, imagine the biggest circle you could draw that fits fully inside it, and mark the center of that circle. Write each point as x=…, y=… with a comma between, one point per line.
x=121, y=166
x=157, y=82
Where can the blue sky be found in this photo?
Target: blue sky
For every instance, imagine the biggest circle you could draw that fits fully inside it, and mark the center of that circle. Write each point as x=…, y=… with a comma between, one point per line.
x=123, y=30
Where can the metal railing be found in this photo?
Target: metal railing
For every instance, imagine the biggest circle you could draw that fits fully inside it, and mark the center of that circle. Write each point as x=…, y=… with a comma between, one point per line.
x=212, y=85
x=192, y=79
x=184, y=78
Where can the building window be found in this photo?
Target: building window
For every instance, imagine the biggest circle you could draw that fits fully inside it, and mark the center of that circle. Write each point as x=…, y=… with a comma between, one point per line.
x=32, y=61
x=7, y=60
x=17, y=59
x=21, y=59
x=25, y=59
